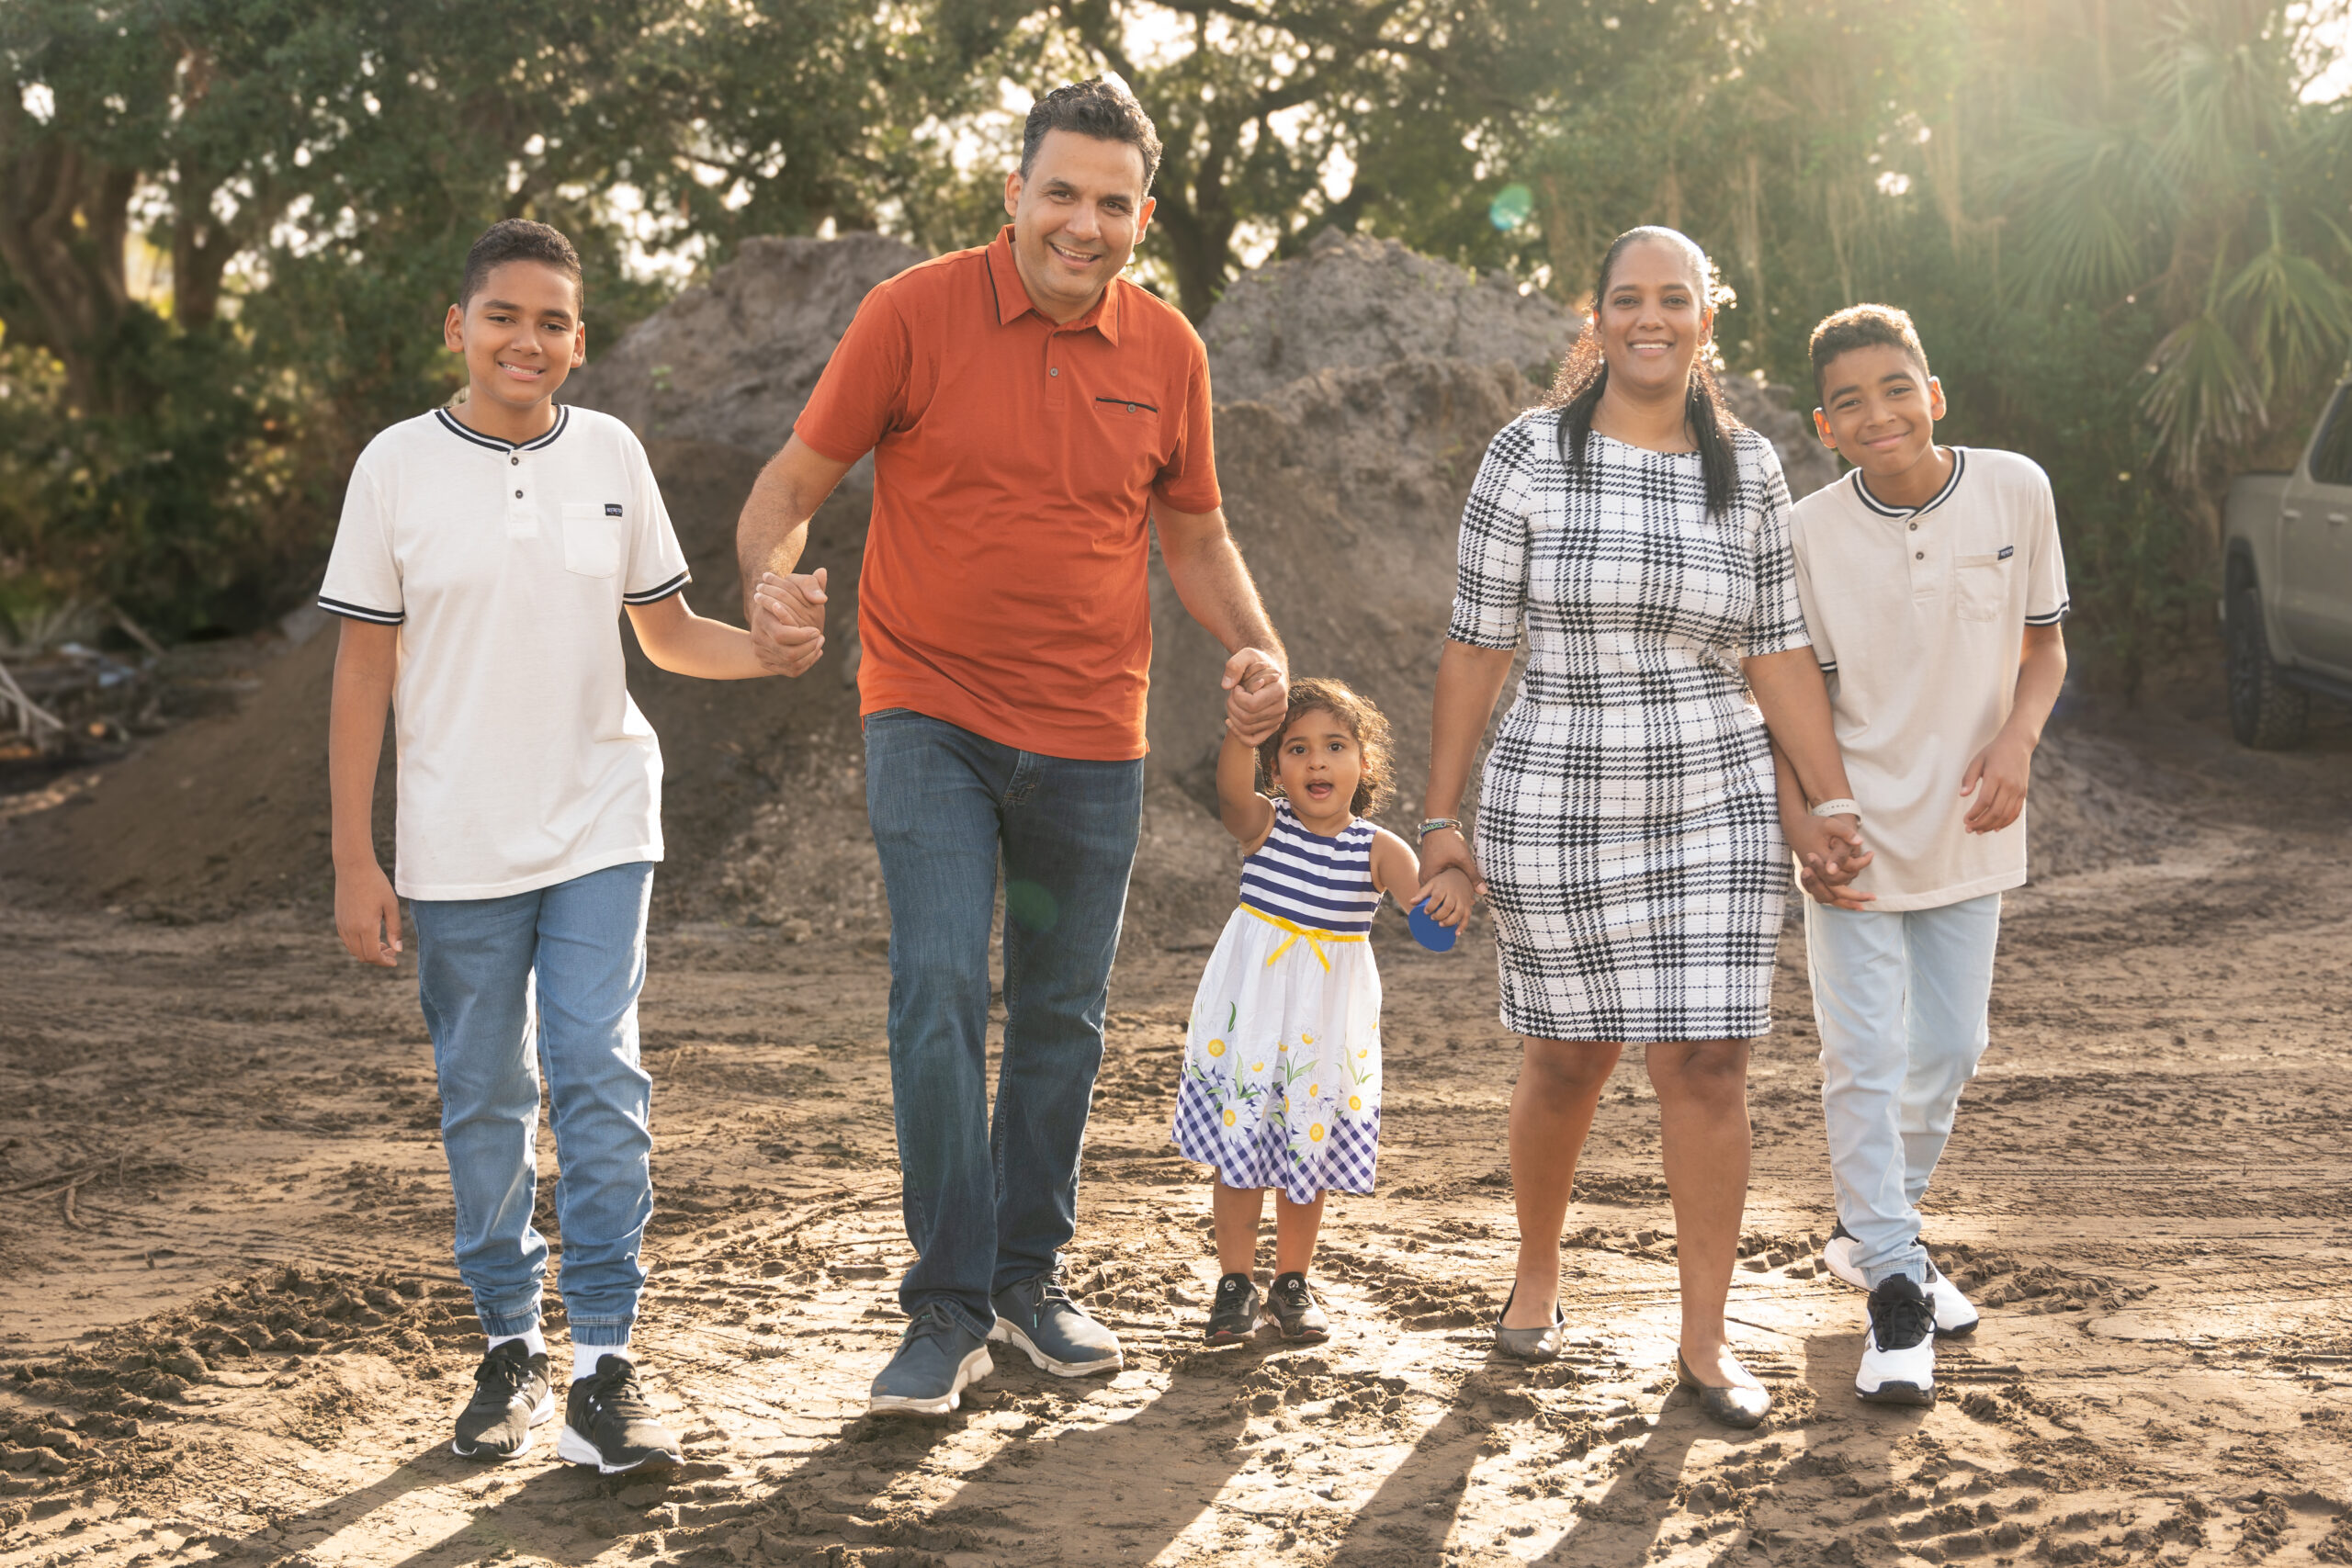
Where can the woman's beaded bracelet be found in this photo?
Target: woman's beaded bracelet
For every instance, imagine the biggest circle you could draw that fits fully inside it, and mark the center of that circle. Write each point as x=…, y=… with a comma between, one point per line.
x=1432, y=824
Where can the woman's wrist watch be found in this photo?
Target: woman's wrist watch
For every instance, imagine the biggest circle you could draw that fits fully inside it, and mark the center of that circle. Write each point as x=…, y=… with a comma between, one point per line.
x=1839, y=807
x=1431, y=824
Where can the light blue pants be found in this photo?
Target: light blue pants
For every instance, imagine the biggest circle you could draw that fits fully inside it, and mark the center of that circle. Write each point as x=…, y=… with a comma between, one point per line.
x=1900, y=999
x=550, y=978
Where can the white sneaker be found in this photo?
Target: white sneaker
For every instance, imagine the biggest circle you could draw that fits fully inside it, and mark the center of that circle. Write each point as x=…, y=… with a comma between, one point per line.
x=1899, y=1352
x=1838, y=1256
x=1955, y=1313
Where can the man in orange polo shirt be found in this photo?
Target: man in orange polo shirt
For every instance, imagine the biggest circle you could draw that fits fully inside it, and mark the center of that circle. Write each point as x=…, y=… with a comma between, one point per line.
x=1032, y=416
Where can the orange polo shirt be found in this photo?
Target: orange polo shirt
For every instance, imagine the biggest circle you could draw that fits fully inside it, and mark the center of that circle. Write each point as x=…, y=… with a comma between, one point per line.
x=1006, y=587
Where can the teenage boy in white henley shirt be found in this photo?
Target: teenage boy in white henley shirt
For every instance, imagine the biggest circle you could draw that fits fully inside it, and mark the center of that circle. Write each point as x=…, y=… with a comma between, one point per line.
x=484, y=559
x=1933, y=586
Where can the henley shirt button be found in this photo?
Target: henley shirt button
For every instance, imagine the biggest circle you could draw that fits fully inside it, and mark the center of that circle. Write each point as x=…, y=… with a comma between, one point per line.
x=1915, y=527
x=1915, y=555
x=518, y=463
x=518, y=495
x=1053, y=371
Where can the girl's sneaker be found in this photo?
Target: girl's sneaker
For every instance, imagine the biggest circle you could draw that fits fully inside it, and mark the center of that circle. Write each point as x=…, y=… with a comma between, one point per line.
x=1236, y=1316
x=1295, y=1307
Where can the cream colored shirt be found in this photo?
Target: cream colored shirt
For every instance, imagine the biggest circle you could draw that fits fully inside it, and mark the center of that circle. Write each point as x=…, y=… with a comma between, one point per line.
x=1918, y=619
x=523, y=761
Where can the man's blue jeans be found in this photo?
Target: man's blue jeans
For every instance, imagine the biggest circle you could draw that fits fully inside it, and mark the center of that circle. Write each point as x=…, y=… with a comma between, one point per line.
x=546, y=978
x=988, y=1206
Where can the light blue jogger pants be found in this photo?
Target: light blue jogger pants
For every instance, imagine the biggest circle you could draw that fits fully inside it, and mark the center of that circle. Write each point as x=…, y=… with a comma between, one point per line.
x=1900, y=999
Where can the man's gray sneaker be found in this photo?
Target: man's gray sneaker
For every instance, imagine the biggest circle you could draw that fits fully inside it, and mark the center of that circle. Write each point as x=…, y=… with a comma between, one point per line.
x=1039, y=1316
x=511, y=1396
x=937, y=1360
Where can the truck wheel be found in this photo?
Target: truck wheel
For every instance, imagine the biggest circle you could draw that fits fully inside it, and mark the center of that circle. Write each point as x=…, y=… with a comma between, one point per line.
x=2266, y=713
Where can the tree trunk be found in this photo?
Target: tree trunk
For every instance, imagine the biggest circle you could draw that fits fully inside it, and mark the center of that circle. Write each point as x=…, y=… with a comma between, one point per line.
x=63, y=216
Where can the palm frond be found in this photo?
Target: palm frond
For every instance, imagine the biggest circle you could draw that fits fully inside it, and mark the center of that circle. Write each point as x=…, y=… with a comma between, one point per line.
x=2204, y=392
x=2294, y=318
x=2219, y=86
x=2095, y=198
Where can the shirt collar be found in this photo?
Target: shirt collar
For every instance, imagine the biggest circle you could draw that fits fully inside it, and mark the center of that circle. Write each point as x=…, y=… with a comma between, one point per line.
x=1012, y=296
x=467, y=432
x=1862, y=491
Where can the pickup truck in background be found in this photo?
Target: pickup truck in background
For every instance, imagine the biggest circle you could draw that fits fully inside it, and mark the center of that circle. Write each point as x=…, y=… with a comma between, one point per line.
x=2287, y=586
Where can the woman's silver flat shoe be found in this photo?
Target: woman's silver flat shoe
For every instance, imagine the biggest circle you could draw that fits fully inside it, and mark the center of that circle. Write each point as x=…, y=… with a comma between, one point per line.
x=1530, y=1344
x=1737, y=1406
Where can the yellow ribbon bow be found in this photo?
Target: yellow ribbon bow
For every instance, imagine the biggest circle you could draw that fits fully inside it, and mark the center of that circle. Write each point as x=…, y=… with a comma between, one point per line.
x=1314, y=939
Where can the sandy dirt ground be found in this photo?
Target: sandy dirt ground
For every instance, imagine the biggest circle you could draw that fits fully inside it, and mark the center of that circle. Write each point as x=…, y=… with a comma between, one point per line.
x=228, y=1328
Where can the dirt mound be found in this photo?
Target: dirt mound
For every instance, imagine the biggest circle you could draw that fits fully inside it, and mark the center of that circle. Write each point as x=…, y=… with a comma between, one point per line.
x=1352, y=302
x=735, y=359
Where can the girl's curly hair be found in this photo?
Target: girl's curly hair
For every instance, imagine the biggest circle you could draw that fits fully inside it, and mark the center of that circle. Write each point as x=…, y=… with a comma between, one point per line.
x=1364, y=721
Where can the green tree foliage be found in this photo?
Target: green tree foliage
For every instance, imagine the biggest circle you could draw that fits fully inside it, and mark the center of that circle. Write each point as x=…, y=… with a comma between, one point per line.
x=303, y=176
x=1280, y=118
x=2121, y=224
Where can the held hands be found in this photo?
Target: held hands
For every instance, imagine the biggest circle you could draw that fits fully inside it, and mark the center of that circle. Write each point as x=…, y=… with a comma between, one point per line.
x=788, y=621
x=1830, y=854
x=1449, y=878
x=368, y=916
x=1258, y=695
x=2005, y=768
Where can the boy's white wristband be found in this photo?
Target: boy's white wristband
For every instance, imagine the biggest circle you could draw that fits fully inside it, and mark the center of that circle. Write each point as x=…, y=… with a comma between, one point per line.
x=1837, y=809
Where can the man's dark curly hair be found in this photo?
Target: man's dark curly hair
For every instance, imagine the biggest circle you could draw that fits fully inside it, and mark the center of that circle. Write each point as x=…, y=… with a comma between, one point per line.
x=519, y=239
x=1364, y=721
x=1096, y=107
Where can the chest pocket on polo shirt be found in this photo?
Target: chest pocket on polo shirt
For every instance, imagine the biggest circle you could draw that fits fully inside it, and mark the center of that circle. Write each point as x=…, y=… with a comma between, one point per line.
x=1130, y=431
x=592, y=538
x=1981, y=586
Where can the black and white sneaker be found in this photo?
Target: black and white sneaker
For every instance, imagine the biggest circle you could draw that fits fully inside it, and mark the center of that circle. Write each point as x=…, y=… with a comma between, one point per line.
x=511, y=1396
x=1235, y=1316
x=608, y=1423
x=1899, y=1352
x=1295, y=1310
x=1955, y=1313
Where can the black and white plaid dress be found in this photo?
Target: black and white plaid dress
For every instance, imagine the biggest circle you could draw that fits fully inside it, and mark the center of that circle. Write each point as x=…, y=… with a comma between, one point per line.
x=1626, y=822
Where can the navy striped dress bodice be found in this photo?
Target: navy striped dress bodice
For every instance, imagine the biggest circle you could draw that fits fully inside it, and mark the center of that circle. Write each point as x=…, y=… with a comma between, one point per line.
x=1321, y=884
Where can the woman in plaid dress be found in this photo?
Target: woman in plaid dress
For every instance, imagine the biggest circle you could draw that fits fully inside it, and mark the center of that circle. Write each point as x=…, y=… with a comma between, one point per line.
x=1628, y=833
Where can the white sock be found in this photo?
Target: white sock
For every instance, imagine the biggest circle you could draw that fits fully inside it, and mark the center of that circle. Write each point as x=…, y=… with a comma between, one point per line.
x=533, y=1342
x=585, y=1357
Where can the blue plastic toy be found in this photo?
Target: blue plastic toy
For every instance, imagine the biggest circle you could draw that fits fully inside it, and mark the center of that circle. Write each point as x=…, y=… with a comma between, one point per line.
x=1428, y=930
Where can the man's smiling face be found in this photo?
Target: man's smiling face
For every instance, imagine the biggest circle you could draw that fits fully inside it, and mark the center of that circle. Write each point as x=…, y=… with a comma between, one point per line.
x=521, y=334
x=1076, y=216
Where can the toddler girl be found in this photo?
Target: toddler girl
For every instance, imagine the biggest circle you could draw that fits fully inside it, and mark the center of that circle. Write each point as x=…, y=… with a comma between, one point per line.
x=1282, y=1073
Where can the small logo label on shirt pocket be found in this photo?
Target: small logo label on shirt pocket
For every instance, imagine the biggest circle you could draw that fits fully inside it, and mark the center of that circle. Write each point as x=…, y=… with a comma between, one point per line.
x=612, y=509
x=2007, y=551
